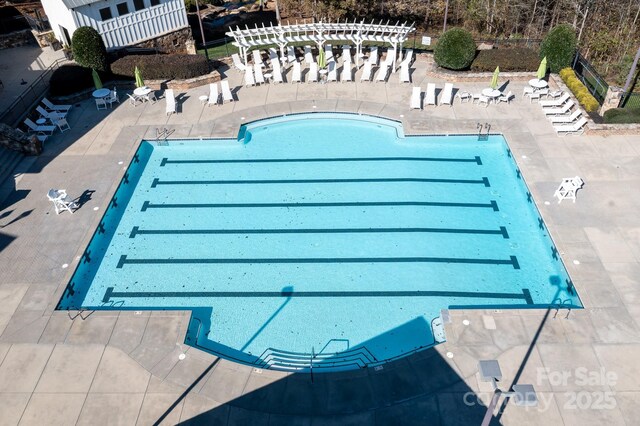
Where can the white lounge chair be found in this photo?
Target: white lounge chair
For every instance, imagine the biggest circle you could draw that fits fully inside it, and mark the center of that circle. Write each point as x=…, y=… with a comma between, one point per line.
x=312, y=76
x=556, y=102
x=447, y=95
x=273, y=55
x=404, y=73
x=257, y=57
x=416, y=98
x=332, y=75
x=291, y=55
x=559, y=111
x=257, y=68
x=538, y=94
x=276, y=73
x=463, y=95
x=383, y=72
x=391, y=53
x=408, y=57
x=296, y=74
x=47, y=130
x=346, y=54
x=308, y=57
x=248, y=77
x=237, y=62
x=226, y=91
x=346, y=72
x=58, y=108
x=506, y=98
x=373, y=55
x=213, y=94
x=430, y=98
x=171, y=102
x=366, y=71
x=328, y=52
x=568, y=188
x=566, y=118
x=40, y=136
x=61, y=201
x=576, y=128
x=51, y=116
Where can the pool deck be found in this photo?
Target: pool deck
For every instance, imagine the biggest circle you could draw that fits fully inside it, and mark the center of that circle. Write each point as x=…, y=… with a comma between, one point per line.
x=123, y=367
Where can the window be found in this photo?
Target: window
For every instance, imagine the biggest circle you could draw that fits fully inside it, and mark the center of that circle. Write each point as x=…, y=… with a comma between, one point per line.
x=123, y=9
x=105, y=13
x=138, y=4
x=155, y=2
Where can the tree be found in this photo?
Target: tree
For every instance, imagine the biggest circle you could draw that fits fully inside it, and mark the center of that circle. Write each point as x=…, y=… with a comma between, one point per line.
x=455, y=49
x=559, y=47
x=88, y=49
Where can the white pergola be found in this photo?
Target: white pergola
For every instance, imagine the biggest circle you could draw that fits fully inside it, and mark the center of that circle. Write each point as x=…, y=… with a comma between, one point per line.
x=321, y=32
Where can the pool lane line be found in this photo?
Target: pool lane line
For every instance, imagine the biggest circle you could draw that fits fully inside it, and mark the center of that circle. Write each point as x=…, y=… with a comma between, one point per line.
x=475, y=160
x=148, y=205
x=135, y=231
x=124, y=260
x=110, y=293
x=156, y=181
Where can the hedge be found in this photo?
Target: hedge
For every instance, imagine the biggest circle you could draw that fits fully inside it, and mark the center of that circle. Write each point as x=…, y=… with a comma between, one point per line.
x=69, y=79
x=559, y=47
x=514, y=59
x=88, y=49
x=162, y=67
x=622, y=115
x=455, y=49
x=579, y=90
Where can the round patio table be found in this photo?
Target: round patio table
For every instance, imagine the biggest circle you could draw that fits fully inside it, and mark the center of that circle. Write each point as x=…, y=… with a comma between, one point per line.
x=491, y=93
x=142, y=91
x=100, y=93
x=537, y=83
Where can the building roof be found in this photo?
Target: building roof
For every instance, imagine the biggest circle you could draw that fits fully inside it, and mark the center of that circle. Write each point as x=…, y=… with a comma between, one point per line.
x=72, y=4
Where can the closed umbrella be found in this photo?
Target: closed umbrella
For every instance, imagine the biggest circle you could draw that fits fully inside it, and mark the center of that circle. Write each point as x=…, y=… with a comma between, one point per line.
x=542, y=69
x=139, y=80
x=96, y=79
x=322, y=61
x=494, y=80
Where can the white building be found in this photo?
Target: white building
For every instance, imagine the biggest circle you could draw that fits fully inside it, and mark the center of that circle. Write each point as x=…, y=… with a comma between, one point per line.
x=120, y=22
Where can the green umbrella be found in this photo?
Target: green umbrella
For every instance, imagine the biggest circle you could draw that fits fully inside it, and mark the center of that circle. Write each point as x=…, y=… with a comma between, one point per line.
x=542, y=69
x=322, y=61
x=139, y=80
x=494, y=80
x=96, y=79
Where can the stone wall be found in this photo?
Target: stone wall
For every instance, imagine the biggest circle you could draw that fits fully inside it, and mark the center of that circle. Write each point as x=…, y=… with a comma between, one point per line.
x=175, y=42
x=611, y=99
x=18, y=141
x=16, y=38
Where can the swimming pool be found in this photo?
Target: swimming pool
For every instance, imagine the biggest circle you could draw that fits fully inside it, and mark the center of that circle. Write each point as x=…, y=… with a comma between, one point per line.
x=330, y=239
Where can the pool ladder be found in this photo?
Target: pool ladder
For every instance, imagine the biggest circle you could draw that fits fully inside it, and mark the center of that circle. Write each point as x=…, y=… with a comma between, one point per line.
x=559, y=304
x=480, y=127
x=163, y=134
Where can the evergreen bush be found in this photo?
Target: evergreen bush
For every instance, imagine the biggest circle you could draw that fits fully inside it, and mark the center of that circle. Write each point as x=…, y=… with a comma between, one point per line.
x=88, y=49
x=455, y=49
x=559, y=47
x=622, y=115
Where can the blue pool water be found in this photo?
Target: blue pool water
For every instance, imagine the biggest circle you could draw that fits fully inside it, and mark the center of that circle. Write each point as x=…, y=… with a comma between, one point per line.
x=324, y=235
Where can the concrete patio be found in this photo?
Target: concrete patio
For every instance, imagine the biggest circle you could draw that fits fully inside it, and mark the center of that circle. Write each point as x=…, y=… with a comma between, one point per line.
x=109, y=367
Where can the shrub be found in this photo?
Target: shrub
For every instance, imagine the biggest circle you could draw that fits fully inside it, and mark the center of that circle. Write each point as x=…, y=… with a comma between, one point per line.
x=559, y=47
x=514, y=59
x=162, y=66
x=455, y=49
x=69, y=79
x=579, y=90
x=622, y=115
x=88, y=49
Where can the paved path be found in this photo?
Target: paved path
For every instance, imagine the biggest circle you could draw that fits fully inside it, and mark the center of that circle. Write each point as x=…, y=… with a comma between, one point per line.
x=123, y=367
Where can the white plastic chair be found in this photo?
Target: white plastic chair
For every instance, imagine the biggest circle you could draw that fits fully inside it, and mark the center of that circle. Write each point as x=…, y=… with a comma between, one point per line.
x=213, y=94
x=101, y=103
x=237, y=62
x=447, y=95
x=430, y=98
x=61, y=201
x=462, y=95
x=416, y=98
x=171, y=102
x=506, y=98
x=483, y=100
x=568, y=188
x=63, y=125
x=226, y=91
x=133, y=100
x=113, y=97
